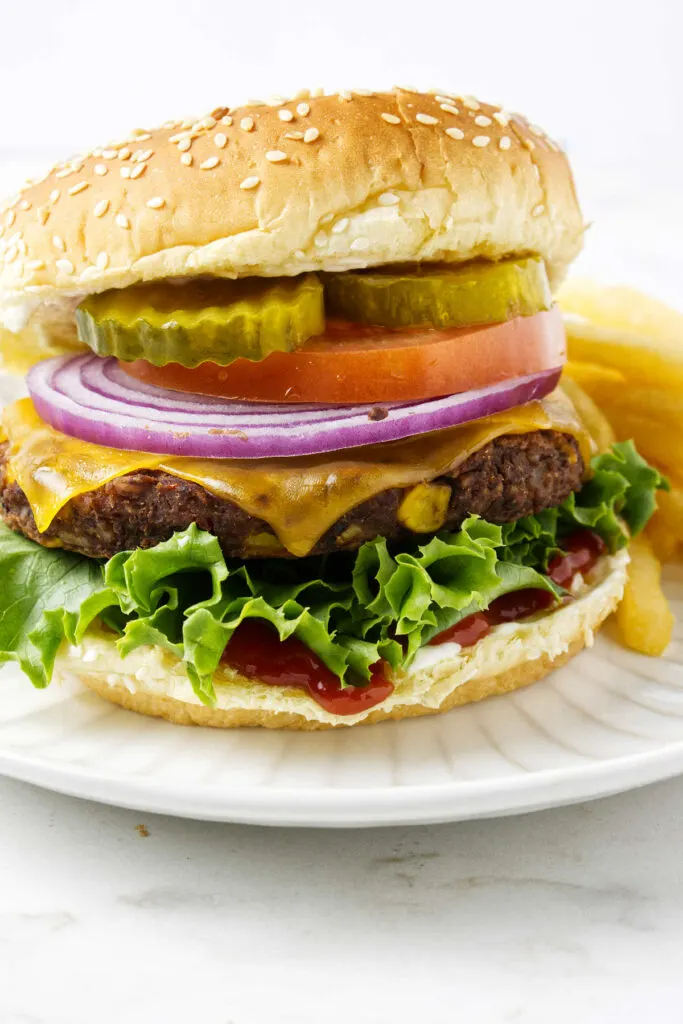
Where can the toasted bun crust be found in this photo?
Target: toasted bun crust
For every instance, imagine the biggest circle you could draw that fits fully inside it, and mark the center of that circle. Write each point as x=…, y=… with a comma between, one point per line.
x=510, y=658
x=314, y=183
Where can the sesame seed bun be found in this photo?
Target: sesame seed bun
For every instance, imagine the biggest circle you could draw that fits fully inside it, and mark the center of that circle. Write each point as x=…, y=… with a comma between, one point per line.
x=441, y=678
x=314, y=183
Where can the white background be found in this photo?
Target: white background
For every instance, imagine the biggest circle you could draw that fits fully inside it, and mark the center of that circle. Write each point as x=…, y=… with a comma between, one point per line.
x=574, y=914
x=603, y=76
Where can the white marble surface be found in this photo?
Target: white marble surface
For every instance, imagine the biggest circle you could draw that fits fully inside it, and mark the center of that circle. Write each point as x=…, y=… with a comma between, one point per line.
x=567, y=915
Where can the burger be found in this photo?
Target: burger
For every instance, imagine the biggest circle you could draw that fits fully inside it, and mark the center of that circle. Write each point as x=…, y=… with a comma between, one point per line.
x=297, y=452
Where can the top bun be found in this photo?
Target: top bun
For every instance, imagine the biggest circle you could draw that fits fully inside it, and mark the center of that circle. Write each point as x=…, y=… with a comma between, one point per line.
x=313, y=183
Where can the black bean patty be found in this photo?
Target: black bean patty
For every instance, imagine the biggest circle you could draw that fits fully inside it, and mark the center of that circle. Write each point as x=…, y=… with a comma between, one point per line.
x=511, y=477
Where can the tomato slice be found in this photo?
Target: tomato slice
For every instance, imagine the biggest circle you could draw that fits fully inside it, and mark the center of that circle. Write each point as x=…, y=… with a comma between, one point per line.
x=355, y=363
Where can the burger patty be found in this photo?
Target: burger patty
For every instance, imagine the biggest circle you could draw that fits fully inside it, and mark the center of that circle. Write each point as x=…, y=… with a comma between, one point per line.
x=512, y=477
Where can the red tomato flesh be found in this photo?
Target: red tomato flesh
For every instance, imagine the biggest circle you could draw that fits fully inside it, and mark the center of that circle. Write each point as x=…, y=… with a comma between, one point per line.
x=355, y=363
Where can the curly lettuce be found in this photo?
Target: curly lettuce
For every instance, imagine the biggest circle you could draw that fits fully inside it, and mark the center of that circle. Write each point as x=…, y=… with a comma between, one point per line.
x=351, y=610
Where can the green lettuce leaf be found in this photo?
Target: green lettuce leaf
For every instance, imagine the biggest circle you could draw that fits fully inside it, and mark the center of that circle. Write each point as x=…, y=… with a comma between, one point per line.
x=351, y=611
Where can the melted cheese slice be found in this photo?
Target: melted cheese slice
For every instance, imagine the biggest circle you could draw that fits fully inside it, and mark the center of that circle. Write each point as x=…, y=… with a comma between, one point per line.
x=300, y=498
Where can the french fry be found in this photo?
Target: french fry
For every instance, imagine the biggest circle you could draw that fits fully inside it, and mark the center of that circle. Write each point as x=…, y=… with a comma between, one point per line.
x=656, y=441
x=670, y=507
x=665, y=406
x=624, y=330
x=595, y=422
x=644, y=619
x=592, y=376
x=665, y=542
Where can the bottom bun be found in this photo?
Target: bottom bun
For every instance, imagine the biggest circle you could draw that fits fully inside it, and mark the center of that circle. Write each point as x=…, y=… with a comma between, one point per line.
x=514, y=655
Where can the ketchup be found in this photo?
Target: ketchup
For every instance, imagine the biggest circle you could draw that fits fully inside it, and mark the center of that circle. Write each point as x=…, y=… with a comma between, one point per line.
x=520, y=604
x=582, y=550
x=256, y=651
x=466, y=632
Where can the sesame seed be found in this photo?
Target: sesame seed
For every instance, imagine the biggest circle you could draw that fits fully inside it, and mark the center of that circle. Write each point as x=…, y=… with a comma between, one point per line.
x=102, y=261
x=535, y=130
x=285, y=115
x=390, y=118
x=297, y=136
x=126, y=172
x=504, y=142
x=538, y=210
x=109, y=154
x=122, y=220
x=101, y=208
x=209, y=164
x=303, y=109
x=311, y=134
x=470, y=102
x=320, y=239
x=227, y=120
x=59, y=243
x=327, y=218
x=184, y=144
x=502, y=118
x=186, y=158
x=220, y=140
x=10, y=218
x=345, y=95
x=250, y=182
x=455, y=133
x=141, y=136
x=340, y=226
x=388, y=199
x=276, y=156
x=480, y=141
x=80, y=187
x=138, y=170
x=21, y=246
x=24, y=205
x=443, y=98
x=43, y=215
x=64, y=266
x=483, y=121
x=11, y=254
x=275, y=101
x=318, y=91
x=54, y=195
x=529, y=143
x=449, y=108
x=247, y=124
x=426, y=119
x=155, y=203
x=35, y=265
x=142, y=155
x=100, y=169
x=364, y=92
x=124, y=154
x=359, y=243
x=177, y=138
x=64, y=173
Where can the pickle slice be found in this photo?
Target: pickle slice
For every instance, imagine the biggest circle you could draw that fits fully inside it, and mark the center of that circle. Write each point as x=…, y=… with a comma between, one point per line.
x=208, y=320
x=439, y=295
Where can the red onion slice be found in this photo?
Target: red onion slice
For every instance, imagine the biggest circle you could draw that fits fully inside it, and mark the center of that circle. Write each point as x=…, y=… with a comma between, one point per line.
x=93, y=399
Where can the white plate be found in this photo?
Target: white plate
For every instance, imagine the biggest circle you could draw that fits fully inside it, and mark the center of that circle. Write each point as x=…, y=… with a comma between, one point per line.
x=607, y=722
